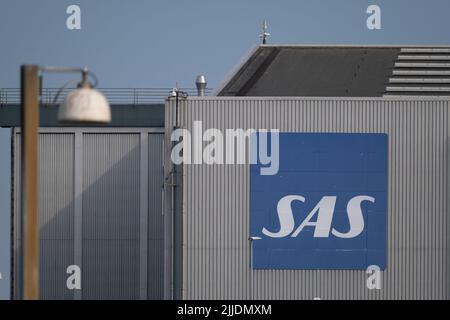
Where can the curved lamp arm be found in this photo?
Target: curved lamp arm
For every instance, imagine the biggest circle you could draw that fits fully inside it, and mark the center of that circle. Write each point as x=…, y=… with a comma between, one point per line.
x=85, y=73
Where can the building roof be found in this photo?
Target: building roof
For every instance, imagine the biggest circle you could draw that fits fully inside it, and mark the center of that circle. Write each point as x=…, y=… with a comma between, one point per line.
x=130, y=107
x=341, y=71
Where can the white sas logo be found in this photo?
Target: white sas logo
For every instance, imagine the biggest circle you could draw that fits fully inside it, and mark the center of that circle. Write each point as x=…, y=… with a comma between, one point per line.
x=324, y=210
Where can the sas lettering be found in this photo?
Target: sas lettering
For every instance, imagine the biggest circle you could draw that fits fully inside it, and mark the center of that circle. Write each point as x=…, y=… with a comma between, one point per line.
x=322, y=225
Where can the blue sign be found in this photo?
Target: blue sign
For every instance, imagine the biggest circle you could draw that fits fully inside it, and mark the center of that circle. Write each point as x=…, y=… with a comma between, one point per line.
x=326, y=207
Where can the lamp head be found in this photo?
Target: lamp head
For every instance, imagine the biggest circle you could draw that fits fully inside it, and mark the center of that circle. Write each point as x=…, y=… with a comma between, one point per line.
x=85, y=105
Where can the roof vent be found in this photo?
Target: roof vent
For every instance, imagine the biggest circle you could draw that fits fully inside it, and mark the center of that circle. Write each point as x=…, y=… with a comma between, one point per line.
x=200, y=82
x=421, y=72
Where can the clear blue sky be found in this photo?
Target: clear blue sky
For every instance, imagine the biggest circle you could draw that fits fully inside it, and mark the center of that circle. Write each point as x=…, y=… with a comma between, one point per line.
x=157, y=43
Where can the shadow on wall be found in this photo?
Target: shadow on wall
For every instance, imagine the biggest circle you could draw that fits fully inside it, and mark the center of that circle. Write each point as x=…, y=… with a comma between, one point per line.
x=110, y=206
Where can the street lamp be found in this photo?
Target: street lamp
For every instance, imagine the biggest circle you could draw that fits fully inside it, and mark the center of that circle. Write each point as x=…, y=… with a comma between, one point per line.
x=83, y=105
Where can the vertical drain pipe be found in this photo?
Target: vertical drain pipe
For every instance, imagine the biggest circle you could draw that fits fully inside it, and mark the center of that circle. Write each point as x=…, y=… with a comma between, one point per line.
x=171, y=180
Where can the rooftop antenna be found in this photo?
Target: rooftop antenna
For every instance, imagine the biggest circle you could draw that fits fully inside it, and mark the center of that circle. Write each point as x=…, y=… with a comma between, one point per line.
x=264, y=35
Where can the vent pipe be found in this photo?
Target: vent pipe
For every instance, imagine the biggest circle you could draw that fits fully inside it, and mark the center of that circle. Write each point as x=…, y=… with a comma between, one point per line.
x=200, y=82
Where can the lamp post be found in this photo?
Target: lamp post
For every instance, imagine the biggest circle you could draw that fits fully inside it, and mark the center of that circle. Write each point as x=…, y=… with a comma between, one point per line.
x=83, y=105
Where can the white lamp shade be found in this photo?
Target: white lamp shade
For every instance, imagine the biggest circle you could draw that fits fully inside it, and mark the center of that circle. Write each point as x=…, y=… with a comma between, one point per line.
x=85, y=105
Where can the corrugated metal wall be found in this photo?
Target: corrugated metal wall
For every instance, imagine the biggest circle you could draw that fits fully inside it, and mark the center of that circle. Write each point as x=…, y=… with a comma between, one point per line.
x=216, y=200
x=98, y=187
x=155, y=258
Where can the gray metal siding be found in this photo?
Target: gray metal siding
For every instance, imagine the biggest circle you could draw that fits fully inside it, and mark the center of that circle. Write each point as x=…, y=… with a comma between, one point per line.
x=56, y=165
x=57, y=212
x=111, y=216
x=155, y=218
x=90, y=210
x=216, y=200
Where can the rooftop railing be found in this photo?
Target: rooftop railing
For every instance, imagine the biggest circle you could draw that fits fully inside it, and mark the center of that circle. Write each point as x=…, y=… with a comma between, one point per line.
x=133, y=96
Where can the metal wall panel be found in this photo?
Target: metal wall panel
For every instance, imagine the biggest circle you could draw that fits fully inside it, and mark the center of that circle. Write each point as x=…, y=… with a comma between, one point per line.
x=155, y=218
x=56, y=189
x=216, y=199
x=90, y=207
x=5, y=213
x=110, y=216
x=57, y=212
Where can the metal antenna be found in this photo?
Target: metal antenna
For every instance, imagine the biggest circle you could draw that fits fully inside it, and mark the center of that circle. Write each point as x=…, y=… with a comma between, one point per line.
x=264, y=35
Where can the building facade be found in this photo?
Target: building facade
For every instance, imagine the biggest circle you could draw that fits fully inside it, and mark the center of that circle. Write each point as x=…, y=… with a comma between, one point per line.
x=140, y=226
x=100, y=210
x=215, y=200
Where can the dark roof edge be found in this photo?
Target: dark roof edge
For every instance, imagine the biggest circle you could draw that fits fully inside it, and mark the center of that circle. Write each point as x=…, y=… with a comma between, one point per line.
x=124, y=115
x=389, y=46
x=321, y=98
x=233, y=72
